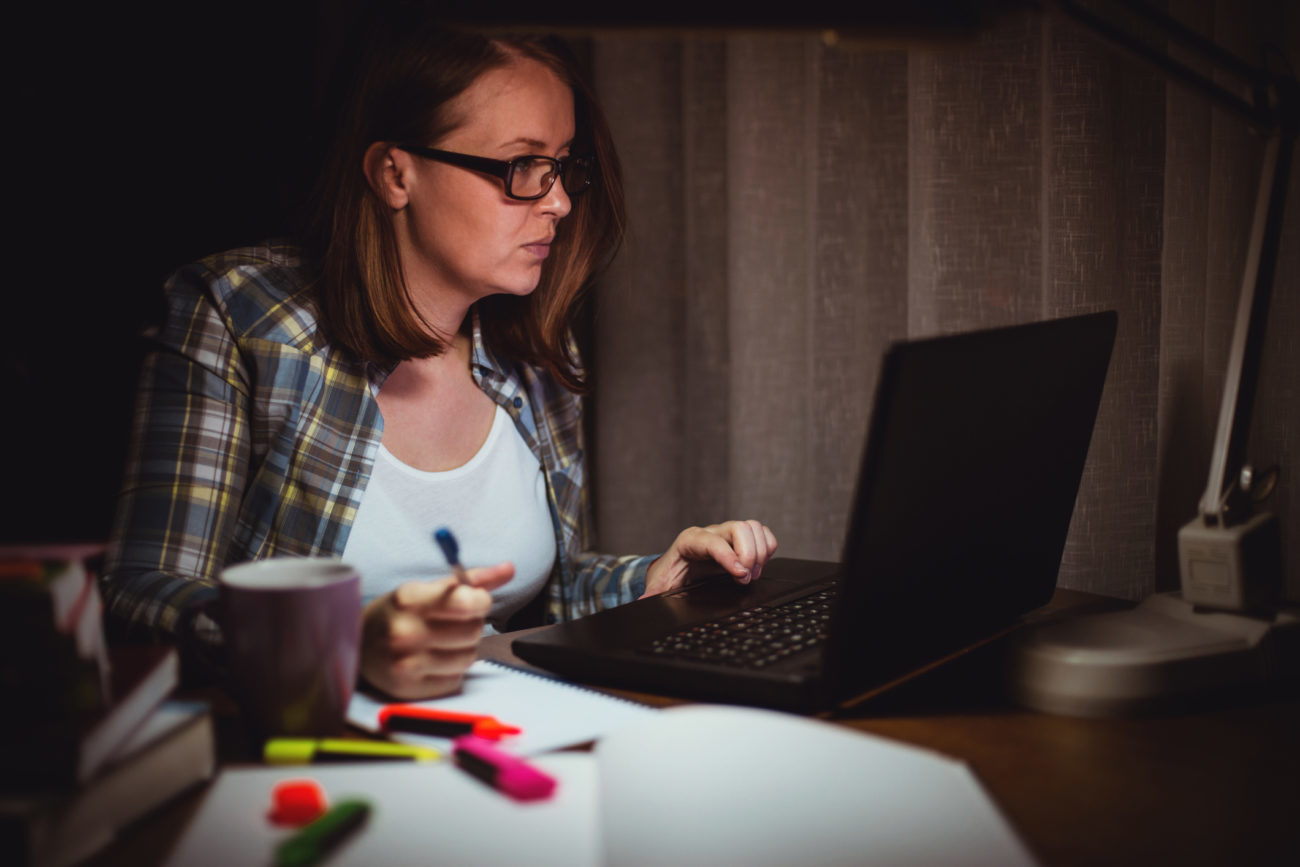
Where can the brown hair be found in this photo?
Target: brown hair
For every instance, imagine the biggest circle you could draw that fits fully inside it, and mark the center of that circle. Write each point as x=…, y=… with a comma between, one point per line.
x=412, y=70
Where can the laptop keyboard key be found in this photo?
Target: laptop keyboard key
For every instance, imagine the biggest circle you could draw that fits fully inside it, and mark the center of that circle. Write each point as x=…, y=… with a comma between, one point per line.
x=754, y=638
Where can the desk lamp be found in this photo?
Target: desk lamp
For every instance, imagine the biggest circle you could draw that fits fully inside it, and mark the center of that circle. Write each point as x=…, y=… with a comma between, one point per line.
x=1224, y=630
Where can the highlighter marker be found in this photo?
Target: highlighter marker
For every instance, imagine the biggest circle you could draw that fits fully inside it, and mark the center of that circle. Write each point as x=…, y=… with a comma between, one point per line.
x=502, y=771
x=442, y=723
x=302, y=751
x=314, y=842
x=451, y=550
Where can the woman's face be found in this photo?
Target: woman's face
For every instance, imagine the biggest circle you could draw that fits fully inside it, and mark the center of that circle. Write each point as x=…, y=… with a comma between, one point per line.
x=463, y=234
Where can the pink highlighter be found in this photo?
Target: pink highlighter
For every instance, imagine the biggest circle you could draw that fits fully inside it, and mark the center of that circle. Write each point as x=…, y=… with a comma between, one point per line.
x=500, y=770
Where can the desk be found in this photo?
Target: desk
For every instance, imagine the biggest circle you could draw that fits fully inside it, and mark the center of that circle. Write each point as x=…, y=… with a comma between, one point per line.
x=1217, y=787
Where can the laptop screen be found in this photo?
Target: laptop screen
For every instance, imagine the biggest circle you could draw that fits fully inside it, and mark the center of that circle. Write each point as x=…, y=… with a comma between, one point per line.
x=972, y=465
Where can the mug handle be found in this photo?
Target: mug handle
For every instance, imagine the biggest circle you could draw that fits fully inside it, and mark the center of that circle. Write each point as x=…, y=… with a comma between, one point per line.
x=199, y=639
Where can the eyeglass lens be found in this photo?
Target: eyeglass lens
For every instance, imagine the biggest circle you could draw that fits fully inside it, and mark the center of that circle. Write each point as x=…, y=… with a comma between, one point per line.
x=533, y=178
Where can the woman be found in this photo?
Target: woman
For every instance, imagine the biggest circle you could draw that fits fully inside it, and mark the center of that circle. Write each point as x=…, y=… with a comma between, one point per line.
x=410, y=366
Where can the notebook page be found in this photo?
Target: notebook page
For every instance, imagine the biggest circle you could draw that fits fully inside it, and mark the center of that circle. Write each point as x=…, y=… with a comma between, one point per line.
x=552, y=713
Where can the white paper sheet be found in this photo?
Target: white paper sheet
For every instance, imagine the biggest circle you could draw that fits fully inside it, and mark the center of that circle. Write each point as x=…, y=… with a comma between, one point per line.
x=729, y=785
x=420, y=814
x=692, y=785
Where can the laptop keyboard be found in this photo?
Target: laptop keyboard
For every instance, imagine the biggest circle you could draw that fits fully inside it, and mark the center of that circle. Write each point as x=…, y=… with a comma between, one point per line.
x=753, y=638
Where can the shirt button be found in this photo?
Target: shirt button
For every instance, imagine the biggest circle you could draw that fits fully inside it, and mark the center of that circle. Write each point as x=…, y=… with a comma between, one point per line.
x=519, y=401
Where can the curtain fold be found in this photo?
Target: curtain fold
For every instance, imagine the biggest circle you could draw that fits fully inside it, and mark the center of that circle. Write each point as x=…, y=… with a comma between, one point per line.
x=796, y=204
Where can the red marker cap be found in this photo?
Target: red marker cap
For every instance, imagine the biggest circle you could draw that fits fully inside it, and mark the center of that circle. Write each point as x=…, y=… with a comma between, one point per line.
x=442, y=723
x=297, y=802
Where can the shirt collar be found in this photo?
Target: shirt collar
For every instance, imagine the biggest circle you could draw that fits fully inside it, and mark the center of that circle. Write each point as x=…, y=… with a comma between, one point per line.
x=487, y=369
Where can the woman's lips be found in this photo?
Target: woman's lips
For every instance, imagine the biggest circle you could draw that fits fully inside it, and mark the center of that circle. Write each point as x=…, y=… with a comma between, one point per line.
x=540, y=249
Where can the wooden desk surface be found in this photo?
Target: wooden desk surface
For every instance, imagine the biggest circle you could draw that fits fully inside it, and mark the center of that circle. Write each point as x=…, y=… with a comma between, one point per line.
x=1216, y=787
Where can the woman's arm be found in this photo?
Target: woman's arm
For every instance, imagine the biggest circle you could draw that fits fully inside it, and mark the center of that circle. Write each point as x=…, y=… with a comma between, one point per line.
x=737, y=548
x=187, y=469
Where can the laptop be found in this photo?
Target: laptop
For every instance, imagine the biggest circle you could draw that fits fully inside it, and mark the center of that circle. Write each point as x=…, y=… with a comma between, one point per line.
x=973, y=459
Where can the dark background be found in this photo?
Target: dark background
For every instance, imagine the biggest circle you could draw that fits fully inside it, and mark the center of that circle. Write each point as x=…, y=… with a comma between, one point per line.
x=143, y=140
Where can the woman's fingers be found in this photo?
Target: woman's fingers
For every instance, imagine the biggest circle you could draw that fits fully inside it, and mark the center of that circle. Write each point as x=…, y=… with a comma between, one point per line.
x=430, y=663
x=741, y=548
x=491, y=577
x=416, y=677
x=763, y=542
x=751, y=543
x=418, y=640
x=722, y=547
x=447, y=599
x=409, y=633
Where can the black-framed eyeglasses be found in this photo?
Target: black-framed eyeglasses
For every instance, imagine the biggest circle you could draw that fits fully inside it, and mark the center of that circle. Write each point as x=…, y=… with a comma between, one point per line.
x=527, y=177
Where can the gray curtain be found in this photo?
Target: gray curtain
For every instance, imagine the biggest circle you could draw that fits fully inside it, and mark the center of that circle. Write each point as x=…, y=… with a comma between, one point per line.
x=797, y=203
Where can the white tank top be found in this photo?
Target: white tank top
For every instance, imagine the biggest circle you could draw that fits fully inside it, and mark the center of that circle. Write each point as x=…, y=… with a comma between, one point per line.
x=495, y=504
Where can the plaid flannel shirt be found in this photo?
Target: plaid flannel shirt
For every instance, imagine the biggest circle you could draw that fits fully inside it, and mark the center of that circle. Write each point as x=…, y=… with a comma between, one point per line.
x=253, y=438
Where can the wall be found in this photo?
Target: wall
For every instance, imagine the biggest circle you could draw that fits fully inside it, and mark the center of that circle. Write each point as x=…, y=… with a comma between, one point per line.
x=797, y=205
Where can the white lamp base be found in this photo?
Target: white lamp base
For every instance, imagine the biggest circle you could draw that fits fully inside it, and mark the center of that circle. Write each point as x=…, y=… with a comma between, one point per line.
x=1156, y=657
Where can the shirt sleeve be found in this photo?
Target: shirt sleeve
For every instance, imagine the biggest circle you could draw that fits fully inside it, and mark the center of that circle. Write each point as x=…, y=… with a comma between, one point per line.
x=186, y=470
x=605, y=580
x=596, y=581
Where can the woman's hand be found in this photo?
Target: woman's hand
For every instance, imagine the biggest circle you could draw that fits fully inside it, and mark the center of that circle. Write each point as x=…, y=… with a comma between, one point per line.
x=417, y=641
x=739, y=548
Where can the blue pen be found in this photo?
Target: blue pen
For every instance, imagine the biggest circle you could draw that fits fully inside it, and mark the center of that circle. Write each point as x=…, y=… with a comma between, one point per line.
x=447, y=542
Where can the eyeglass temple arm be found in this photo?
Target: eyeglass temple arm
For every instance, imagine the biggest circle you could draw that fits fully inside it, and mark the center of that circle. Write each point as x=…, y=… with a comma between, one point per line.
x=499, y=168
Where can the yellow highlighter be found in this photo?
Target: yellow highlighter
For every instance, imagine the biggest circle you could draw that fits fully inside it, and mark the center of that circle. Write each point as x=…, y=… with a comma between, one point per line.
x=307, y=751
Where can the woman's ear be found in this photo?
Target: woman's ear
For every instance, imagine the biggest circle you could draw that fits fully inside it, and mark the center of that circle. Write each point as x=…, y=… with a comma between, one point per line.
x=387, y=169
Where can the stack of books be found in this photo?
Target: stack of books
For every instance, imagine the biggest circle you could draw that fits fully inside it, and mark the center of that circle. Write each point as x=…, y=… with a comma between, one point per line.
x=89, y=740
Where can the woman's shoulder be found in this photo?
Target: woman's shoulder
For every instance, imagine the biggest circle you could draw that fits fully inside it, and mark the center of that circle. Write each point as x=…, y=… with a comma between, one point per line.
x=275, y=259
x=260, y=291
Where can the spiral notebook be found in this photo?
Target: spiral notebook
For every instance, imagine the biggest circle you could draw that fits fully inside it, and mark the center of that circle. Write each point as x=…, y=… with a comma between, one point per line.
x=552, y=713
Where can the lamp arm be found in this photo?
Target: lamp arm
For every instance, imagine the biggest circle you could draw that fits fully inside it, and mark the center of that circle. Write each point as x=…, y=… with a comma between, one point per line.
x=1224, y=501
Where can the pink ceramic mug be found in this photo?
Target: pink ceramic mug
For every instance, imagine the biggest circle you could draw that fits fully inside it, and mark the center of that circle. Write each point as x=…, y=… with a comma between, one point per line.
x=292, y=628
